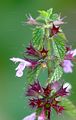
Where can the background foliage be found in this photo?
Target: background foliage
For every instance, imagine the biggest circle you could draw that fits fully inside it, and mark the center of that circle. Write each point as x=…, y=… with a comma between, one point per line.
x=14, y=37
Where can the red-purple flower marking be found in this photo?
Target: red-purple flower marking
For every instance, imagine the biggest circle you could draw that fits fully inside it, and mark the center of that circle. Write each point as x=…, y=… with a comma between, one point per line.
x=32, y=51
x=43, y=97
x=43, y=52
x=33, y=62
x=36, y=53
x=54, y=30
x=35, y=89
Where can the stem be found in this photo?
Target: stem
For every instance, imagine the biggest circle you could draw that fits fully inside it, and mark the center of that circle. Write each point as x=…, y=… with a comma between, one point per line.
x=49, y=61
x=49, y=53
x=48, y=115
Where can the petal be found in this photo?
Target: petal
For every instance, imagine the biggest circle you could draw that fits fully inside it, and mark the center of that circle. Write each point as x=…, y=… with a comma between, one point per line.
x=74, y=52
x=17, y=60
x=30, y=117
x=67, y=66
x=31, y=21
x=58, y=22
x=21, y=66
x=55, y=85
x=40, y=118
x=67, y=69
x=67, y=63
x=67, y=86
x=42, y=115
x=19, y=73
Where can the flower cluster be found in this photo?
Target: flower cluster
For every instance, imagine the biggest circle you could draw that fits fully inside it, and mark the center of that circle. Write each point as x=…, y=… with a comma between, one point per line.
x=47, y=98
x=40, y=60
x=39, y=56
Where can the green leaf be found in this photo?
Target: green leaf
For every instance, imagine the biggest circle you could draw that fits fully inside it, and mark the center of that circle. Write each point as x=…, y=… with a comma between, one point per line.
x=38, y=34
x=57, y=74
x=32, y=74
x=50, y=11
x=54, y=17
x=58, y=47
x=62, y=36
x=70, y=108
x=45, y=15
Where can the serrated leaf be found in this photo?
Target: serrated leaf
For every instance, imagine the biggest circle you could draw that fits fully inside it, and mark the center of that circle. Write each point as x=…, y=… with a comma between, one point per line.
x=38, y=34
x=32, y=74
x=57, y=74
x=58, y=47
x=70, y=108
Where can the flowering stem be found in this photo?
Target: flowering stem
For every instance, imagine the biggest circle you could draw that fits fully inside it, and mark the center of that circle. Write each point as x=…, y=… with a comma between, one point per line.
x=49, y=68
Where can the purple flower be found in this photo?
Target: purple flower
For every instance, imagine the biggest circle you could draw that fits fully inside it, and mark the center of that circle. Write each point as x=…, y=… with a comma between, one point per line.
x=64, y=90
x=67, y=66
x=33, y=116
x=31, y=21
x=30, y=117
x=46, y=98
x=42, y=116
x=27, y=62
x=58, y=22
x=21, y=66
x=68, y=87
x=55, y=85
x=72, y=52
x=35, y=89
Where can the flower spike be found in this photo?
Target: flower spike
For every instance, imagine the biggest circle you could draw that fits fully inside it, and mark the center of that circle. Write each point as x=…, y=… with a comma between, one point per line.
x=47, y=51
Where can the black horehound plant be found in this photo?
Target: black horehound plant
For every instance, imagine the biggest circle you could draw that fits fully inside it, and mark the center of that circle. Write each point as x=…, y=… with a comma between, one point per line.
x=47, y=50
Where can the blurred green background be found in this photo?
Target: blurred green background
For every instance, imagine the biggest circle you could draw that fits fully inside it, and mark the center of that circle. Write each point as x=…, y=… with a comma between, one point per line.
x=14, y=37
